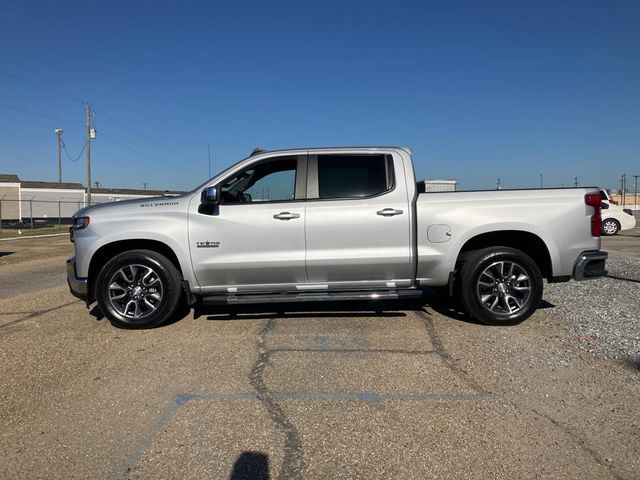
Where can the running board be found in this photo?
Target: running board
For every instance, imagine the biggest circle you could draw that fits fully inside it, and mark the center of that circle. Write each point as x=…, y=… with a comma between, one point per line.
x=310, y=297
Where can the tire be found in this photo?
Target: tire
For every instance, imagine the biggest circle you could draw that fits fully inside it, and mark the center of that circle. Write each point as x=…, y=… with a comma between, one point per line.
x=610, y=227
x=510, y=297
x=138, y=289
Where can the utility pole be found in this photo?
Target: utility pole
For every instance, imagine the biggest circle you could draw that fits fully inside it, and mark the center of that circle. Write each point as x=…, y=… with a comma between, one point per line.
x=145, y=185
x=575, y=182
x=88, y=149
x=623, y=187
x=1, y=212
x=498, y=185
x=635, y=191
x=59, y=138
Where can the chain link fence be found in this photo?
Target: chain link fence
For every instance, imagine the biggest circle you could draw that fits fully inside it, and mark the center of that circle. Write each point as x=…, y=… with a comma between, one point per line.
x=31, y=214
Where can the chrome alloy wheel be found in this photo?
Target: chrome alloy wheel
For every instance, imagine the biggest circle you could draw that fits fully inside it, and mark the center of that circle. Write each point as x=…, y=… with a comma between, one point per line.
x=610, y=227
x=504, y=288
x=135, y=291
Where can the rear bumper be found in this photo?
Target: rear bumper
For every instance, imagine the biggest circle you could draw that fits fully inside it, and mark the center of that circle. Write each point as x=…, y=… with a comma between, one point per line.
x=590, y=265
x=77, y=286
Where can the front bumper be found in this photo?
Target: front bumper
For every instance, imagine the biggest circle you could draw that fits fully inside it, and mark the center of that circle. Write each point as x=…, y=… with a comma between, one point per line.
x=77, y=286
x=590, y=265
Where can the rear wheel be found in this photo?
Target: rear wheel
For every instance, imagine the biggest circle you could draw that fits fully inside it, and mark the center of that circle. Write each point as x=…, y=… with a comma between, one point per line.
x=500, y=285
x=138, y=289
x=610, y=227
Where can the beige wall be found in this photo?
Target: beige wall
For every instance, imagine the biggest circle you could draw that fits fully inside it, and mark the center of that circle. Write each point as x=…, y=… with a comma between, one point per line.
x=629, y=200
x=10, y=205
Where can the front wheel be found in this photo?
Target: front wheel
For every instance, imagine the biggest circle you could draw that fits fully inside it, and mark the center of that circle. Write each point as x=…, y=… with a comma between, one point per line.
x=138, y=289
x=500, y=285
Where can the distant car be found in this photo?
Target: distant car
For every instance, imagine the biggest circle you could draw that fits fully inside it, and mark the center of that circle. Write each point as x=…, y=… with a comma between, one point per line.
x=615, y=218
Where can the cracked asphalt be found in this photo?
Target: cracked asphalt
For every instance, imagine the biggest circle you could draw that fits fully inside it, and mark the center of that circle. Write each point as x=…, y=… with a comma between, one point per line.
x=397, y=390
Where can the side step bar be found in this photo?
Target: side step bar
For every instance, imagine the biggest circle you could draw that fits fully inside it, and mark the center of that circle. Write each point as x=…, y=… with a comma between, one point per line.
x=284, y=297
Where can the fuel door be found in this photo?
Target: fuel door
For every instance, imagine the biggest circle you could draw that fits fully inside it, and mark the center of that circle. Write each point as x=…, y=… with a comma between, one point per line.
x=439, y=233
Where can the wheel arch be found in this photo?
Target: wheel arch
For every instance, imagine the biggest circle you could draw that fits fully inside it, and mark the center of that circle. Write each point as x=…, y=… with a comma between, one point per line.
x=108, y=251
x=527, y=242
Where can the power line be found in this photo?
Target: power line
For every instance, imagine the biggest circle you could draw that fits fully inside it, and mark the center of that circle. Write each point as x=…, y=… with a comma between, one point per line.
x=102, y=134
x=30, y=112
x=64, y=147
x=77, y=99
x=139, y=152
x=51, y=90
x=115, y=120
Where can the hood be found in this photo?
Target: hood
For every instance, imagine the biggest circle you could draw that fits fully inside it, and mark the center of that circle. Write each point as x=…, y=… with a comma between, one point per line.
x=125, y=205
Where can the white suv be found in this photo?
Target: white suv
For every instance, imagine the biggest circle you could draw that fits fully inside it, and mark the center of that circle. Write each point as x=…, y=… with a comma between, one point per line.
x=614, y=217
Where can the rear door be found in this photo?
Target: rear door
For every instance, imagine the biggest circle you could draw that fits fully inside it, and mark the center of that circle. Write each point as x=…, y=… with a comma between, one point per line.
x=357, y=219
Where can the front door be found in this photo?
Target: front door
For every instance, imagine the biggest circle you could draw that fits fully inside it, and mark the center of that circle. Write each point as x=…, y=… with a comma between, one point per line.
x=254, y=239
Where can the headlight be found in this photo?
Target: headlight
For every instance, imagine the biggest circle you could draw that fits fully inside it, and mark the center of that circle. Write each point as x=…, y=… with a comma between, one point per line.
x=79, y=223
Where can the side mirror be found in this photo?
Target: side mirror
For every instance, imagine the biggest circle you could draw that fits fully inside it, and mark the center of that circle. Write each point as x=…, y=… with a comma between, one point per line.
x=210, y=196
x=604, y=205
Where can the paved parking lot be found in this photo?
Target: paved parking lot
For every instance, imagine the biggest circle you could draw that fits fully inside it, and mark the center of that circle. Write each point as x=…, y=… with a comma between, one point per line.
x=341, y=391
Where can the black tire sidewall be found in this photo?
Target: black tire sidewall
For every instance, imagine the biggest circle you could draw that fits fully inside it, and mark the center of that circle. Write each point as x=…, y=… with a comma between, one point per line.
x=168, y=275
x=475, y=263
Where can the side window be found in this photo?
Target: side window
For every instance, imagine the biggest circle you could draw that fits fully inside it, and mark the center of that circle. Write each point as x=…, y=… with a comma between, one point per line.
x=354, y=176
x=270, y=181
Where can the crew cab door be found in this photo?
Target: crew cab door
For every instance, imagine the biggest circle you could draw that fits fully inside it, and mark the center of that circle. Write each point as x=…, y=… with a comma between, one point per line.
x=357, y=220
x=254, y=238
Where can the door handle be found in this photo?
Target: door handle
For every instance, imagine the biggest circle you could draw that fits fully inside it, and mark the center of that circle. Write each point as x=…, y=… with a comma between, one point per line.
x=389, y=212
x=286, y=216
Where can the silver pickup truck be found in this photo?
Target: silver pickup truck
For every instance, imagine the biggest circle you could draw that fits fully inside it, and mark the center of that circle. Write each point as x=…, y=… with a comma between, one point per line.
x=332, y=224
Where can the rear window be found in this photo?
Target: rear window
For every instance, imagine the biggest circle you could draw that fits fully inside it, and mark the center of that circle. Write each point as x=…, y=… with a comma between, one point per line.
x=354, y=176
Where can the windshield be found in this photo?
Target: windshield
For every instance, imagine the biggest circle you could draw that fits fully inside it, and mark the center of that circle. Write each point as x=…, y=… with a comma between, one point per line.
x=223, y=172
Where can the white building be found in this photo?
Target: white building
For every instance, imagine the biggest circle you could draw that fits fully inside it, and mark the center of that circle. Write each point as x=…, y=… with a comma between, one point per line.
x=50, y=199
x=440, y=185
x=104, y=195
x=22, y=200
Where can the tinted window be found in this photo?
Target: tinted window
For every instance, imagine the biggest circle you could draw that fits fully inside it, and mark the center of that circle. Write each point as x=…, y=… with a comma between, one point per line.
x=344, y=176
x=265, y=182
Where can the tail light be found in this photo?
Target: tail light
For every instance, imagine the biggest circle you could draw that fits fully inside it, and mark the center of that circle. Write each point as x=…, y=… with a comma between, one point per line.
x=594, y=200
x=628, y=211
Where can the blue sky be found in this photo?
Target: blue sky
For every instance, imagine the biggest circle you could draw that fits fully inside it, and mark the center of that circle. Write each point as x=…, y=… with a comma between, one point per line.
x=479, y=90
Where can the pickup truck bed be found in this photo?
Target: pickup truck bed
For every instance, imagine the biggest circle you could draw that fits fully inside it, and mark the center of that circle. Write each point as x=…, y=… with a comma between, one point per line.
x=541, y=222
